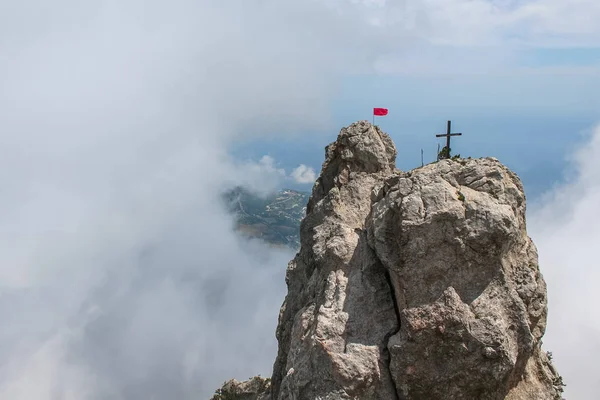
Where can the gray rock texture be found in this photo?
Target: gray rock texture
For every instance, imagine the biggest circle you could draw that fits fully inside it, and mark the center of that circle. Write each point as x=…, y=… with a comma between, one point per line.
x=339, y=312
x=471, y=297
x=412, y=285
x=256, y=388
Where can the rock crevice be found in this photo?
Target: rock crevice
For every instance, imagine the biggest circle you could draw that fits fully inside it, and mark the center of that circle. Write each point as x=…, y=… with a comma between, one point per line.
x=386, y=340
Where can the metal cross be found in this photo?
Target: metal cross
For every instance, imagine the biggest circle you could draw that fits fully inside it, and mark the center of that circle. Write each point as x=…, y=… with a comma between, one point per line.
x=447, y=136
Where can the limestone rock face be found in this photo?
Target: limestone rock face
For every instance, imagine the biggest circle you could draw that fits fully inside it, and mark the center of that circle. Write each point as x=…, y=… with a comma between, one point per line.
x=471, y=297
x=339, y=311
x=412, y=285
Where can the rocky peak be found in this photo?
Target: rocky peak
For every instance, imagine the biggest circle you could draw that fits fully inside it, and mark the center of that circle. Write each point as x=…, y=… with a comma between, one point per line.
x=412, y=285
x=361, y=148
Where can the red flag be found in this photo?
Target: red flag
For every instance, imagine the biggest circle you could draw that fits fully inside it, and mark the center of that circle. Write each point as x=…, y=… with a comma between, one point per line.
x=380, y=111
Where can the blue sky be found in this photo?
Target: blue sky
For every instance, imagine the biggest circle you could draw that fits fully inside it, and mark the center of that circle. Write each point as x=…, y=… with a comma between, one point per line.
x=530, y=110
x=531, y=123
x=570, y=56
x=520, y=79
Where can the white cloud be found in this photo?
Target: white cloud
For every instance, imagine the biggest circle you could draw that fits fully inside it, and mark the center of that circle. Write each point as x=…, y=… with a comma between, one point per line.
x=265, y=176
x=119, y=270
x=304, y=174
x=496, y=22
x=262, y=177
x=566, y=230
x=433, y=37
x=267, y=164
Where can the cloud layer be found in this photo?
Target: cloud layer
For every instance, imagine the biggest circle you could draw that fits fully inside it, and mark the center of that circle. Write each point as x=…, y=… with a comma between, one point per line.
x=120, y=275
x=304, y=174
x=566, y=229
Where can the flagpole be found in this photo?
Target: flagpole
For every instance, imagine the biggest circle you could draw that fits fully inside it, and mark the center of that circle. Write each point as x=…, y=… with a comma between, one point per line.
x=377, y=112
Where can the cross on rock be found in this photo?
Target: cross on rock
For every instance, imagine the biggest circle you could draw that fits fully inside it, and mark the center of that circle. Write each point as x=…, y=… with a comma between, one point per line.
x=445, y=153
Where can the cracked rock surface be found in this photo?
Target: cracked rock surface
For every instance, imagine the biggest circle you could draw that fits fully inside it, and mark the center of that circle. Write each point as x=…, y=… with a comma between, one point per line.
x=412, y=285
x=339, y=312
x=471, y=297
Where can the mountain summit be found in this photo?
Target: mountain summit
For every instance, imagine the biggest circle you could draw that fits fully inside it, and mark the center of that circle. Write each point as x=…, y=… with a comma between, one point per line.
x=410, y=285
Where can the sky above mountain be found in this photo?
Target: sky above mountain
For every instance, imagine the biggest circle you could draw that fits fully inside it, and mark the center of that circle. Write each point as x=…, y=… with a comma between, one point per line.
x=121, y=121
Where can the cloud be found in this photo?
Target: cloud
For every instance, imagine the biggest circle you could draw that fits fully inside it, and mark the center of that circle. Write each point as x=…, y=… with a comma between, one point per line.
x=565, y=226
x=262, y=177
x=487, y=37
x=304, y=174
x=120, y=275
x=473, y=23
